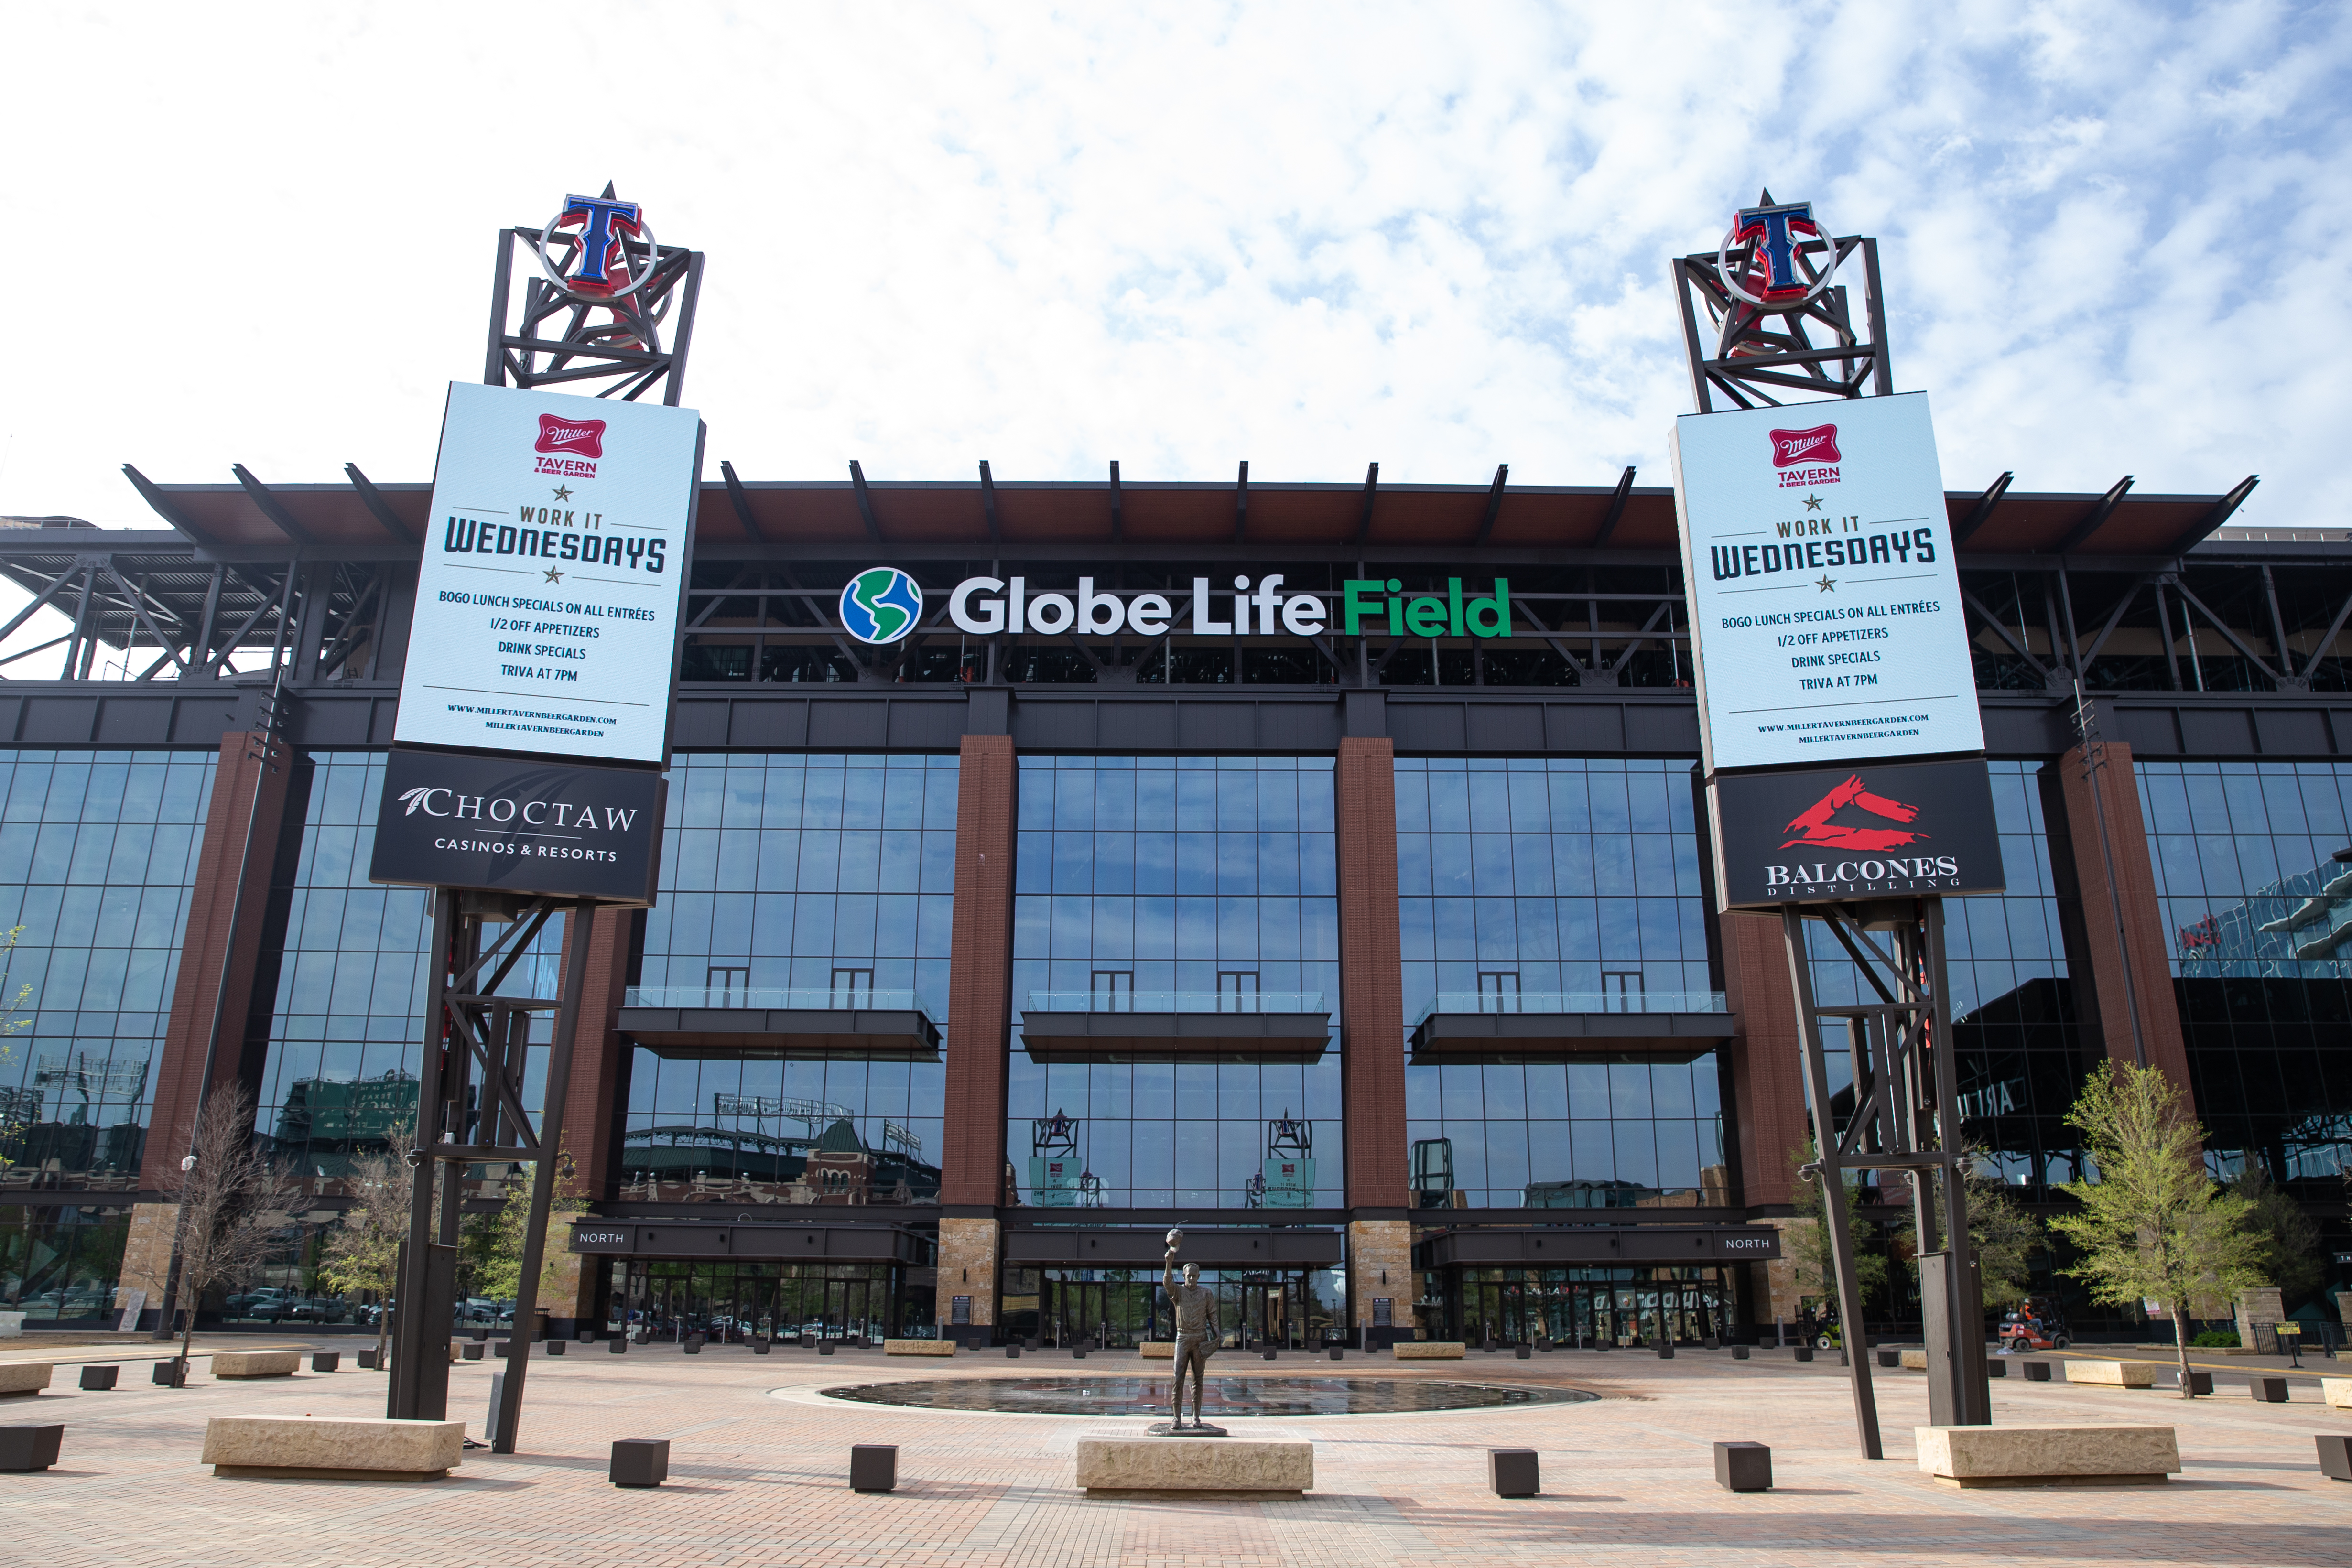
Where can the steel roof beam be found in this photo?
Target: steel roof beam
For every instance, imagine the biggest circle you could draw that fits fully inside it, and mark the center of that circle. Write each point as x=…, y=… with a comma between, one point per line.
x=987, y=503
x=2223, y=509
x=2082, y=530
x=1117, y=506
x=1616, y=508
x=379, y=507
x=1371, y=494
x=163, y=507
x=1494, y=502
x=1981, y=513
x=741, y=500
x=271, y=507
x=1241, y=502
x=864, y=501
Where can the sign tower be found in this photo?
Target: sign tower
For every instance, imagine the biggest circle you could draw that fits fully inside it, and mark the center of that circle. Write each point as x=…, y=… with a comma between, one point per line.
x=525, y=778
x=1842, y=746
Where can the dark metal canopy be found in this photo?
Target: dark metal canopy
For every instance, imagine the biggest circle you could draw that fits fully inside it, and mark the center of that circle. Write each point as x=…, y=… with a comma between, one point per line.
x=1163, y=1036
x=1569, y=1037
x=767, y=1034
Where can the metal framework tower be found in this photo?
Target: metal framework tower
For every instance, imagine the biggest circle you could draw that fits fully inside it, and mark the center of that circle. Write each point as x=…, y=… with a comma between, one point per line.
x=597, y=299
x=1778, y=329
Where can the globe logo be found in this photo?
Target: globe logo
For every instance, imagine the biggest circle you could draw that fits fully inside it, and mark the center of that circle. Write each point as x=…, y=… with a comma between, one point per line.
x=881, y=604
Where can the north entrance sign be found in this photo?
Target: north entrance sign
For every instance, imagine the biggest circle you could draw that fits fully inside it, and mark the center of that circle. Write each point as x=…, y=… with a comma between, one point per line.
x=1825, y=602
x=555, y=566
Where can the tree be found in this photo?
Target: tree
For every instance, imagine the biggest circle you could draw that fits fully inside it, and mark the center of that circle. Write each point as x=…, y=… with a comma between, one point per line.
x=10, y=1024
x=498, y=1270
x=1807, y=1241
x=233, y=1205
x=2290, y=1241
x=2154, y=1226
x=2003, y=1235
x=364, y=1251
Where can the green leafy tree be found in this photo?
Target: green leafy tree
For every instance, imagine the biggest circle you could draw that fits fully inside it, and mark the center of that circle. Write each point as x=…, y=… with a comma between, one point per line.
x=1806, y=1243
x=10, y=1023
x=2005, y=1238
x=498, y=1268
x=363, y=1252
x=2290, y=1241
x=2154, y=1226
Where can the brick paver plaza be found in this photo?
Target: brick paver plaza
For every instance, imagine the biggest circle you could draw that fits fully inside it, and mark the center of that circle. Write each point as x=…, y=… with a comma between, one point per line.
x=759, y=1463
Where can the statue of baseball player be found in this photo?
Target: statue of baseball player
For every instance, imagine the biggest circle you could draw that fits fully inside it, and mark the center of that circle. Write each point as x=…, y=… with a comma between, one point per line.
x=1196, y=1330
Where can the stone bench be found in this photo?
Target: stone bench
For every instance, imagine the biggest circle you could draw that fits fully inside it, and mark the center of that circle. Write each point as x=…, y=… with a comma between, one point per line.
x=918, y=1347
x=1158, y=1350
x=333, y=1448
x=2047, y=1456
x=2114, y=1373
x=2336, y=1392
x=1430, y=1350
x=256, y=1363
x=1195, y=1465
x=23, y=1376
x=1914, y=1361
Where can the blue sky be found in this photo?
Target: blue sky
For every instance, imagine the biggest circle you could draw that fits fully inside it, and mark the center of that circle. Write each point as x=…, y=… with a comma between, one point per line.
x=1306, y=236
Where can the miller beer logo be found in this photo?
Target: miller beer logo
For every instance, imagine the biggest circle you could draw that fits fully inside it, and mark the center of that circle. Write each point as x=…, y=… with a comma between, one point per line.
x=1818, y=445
x=585, y=437
x=569, y=446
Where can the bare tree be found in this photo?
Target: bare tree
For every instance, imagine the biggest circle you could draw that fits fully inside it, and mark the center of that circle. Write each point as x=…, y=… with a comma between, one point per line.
x=233, y=1205
x=364, y=1251
x=9, y=1126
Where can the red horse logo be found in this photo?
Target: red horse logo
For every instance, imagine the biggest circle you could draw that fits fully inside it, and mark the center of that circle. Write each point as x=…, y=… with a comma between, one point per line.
x=1815, y=829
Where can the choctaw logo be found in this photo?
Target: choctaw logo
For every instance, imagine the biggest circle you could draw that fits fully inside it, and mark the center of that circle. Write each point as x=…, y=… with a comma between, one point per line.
x=1815, y=830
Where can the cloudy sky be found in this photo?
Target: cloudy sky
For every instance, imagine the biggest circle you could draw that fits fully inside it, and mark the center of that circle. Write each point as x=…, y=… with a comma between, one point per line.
x=1306, y=236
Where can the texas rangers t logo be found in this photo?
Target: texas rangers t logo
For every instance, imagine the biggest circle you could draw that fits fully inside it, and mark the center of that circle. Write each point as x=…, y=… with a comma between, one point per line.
x=1770, y=228
x=600, y=248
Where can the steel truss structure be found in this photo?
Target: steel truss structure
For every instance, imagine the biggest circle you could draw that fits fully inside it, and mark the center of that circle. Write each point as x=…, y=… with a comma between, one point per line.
x=470, y=1110
x=606, y=347
x=1755, y=355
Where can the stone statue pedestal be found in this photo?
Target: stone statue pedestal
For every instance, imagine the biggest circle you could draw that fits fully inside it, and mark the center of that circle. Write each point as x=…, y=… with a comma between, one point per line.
x=1197, y=1430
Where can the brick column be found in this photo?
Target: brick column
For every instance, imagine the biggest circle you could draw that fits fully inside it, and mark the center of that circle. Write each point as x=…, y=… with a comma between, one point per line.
x=1371, y=978
x=2119, y=918
x=980, y=983
x=197, y=986
x=592, y=1116
x=1767, y=1060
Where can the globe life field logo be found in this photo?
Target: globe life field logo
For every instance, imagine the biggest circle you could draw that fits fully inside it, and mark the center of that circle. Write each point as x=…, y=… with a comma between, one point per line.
x=881, y=604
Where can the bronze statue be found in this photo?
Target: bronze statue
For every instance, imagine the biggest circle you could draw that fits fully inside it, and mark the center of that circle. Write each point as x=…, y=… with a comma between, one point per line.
x=1196, y=1335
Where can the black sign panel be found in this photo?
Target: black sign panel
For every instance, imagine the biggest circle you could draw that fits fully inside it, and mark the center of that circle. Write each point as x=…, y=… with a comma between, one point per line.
x=1884, y=829
x=509, y=825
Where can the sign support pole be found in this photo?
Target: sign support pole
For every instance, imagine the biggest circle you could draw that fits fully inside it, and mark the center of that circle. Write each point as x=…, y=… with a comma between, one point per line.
x=407, y=1398
x=1832, y=1179
x=508, y=1416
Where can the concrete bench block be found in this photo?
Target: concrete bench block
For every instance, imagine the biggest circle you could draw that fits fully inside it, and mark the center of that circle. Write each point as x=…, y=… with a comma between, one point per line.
x=618, y=1344
x=1803, y=1352
x=1158, y=1350
x=472, y=1352
x=1996, y=1368
x=1890, y=1358
x=24, y=1376
x=1514, y=1472
x=98, y=1379
x=2036, y=1371
x=639, y=1462
x=555, y=1347
x=2336, y=1392
x=170, y=1373
x=30, y=1448
x=2112, y=1373
x=1743, y=1467
x=2267, y=1390
x=874, y=1466
x=2048, y=1455
x=1430, y=1350
x=256, y=1363
x=1912, y=1360
x=333, y=1448
x=1337, y=1352
x=327, y=1360
x=918, y=1347
x=1739, y=1352
x=2335, y=1455
x=1195, y=1465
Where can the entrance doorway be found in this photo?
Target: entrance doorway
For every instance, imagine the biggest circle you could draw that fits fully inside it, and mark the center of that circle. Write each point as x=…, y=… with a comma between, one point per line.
x=735, y=1302
x=1579, y=1306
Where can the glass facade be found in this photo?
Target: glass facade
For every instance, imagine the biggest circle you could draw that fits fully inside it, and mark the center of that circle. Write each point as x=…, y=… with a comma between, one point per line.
x=2253, y=874
x=1176, y=884
x=1556, y=885
x=2019, y=1043
x=98, y=855
x=795, y=882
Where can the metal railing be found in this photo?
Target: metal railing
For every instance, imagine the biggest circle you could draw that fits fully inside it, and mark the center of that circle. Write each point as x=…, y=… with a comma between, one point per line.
x=1126, y=1001
x=801, y=998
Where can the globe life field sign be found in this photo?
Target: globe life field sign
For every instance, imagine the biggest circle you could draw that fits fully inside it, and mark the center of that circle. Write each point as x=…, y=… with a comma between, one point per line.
x=1825, y=606
x=555, y=570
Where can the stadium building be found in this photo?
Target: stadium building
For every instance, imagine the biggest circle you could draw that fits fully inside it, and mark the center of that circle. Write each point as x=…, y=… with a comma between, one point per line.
x=1374, y=947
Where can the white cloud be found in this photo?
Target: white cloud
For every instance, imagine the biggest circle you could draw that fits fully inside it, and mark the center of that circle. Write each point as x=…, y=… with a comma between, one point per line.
x=1306, y=236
